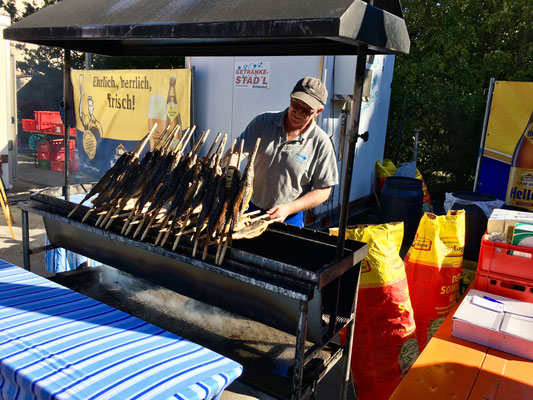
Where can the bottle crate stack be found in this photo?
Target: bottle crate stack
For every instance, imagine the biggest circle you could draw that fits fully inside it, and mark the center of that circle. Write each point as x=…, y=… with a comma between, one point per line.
x=51, y=155
x=505, y=270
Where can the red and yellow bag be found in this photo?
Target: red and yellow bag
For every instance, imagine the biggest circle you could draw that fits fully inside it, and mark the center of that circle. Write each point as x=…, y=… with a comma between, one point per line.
x=433, y=265
x=385, y=344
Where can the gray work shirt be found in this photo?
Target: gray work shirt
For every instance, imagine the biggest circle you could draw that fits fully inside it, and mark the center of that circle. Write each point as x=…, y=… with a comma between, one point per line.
x=285, y=171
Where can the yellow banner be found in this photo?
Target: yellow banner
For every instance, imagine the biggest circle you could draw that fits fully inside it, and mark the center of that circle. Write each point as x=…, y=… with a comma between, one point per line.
x=125, y=104
x=510, y=110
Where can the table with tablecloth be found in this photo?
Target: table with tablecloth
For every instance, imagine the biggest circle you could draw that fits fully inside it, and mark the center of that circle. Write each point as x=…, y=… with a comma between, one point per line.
x=58, y=344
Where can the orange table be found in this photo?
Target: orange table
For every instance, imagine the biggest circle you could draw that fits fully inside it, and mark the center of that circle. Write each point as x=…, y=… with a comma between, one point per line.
x=452, y=368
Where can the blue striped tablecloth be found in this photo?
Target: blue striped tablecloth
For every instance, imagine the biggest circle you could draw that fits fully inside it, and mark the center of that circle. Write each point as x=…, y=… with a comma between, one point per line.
x=58, y=344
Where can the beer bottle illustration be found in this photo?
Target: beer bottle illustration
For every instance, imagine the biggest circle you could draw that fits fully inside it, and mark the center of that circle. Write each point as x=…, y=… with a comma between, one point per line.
x=173, y=114
x=156, y=115
x=520, y=186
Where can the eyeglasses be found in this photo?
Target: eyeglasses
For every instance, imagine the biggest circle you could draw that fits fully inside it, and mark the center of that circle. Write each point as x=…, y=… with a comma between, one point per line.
x=297, y=107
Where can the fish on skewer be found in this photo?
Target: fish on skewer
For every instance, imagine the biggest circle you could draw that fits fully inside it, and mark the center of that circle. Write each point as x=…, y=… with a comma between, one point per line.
x=255, y=228
x=209, y=198
x=215, y=221
x=123, y=188
x=243, y=199
x=125, y=182
x=111, y=172
x=155, y=180
x=133, y=190
x=203, y=184
x=120, y=182
x=233, y=180
x=193, y=198
x=177, y=203
x=176, y=196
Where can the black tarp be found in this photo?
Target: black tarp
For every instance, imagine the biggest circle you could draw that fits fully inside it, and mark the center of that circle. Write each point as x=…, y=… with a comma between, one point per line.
x=216, y=27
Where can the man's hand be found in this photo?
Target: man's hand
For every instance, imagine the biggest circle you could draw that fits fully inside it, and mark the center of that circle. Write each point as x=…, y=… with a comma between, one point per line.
x=307, y=201
x=280, y=211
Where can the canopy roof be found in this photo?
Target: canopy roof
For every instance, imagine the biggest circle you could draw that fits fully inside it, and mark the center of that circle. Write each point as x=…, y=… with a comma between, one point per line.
x=216, y=27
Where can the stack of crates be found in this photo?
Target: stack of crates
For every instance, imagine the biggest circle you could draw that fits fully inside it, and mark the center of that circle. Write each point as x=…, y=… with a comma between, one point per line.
x=51, y=155
x=505, y=270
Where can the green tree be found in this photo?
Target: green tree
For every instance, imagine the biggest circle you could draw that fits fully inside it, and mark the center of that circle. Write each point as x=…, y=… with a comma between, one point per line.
x=441, y=86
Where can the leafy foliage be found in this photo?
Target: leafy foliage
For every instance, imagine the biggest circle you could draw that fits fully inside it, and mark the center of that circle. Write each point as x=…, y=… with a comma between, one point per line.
x=441, y=86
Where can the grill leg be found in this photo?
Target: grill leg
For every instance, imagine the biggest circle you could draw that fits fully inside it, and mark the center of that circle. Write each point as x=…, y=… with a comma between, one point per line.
x=299, y=352
x=25, y=239
x=350, y=329
x=347, y=373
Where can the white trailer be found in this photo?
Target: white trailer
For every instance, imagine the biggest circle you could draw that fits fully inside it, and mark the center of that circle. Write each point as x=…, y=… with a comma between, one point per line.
x=8, y=113
x=226, y=99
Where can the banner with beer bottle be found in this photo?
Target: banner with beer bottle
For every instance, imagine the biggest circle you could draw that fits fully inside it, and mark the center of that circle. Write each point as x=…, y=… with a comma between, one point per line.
x=115, y=108
x=507, y=156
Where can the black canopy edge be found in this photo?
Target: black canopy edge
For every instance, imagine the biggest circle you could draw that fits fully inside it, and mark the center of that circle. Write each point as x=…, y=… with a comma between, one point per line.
x=381, y=31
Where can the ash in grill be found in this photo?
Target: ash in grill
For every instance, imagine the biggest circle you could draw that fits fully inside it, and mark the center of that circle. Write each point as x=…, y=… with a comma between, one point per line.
x=171, y=194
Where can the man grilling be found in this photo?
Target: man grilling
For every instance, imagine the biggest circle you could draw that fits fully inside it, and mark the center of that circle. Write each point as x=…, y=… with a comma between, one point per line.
x=295, y=166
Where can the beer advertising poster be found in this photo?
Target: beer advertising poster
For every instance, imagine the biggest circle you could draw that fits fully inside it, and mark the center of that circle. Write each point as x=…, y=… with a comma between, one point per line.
x=116, y=108
x=251, y=74
x=504, y=158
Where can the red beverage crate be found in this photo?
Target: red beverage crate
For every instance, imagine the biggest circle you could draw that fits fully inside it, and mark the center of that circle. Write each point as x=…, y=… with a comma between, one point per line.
x=47, y=117
x=58, y=128
x=60, y=155
x=58, y=144
x=504, y=285
x=44, y=146
x=47, y=120
x=59, y=166
x=28, y=124
x=43, y=155
x=495, y=257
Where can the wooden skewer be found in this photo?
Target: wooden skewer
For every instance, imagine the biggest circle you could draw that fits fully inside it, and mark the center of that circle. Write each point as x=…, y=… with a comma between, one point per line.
x=212, y=148
x=180, y=233
x=251, y=213
x=201, y=141
x=161, y=137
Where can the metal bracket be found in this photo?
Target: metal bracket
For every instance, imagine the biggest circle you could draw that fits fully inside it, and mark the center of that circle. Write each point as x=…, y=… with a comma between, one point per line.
x=363, y=136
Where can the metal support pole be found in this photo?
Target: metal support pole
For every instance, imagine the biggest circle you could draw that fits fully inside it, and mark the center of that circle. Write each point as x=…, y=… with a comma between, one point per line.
x=352, y=140
x=484, y=132
x=348, y=345
x=25, y=239
x=299, y=352
x=67, y=102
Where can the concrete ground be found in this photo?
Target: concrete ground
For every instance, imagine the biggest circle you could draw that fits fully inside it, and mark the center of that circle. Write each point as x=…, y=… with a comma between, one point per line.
x=29, y=179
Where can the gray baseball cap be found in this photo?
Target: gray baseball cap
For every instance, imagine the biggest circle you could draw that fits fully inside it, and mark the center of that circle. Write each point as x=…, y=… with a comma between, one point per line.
x=311, y=91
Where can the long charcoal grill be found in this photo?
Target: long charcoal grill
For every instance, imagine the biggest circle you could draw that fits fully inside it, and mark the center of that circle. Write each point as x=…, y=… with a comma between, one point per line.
x=229, y=28
x=274, y=271
x=290, y=277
